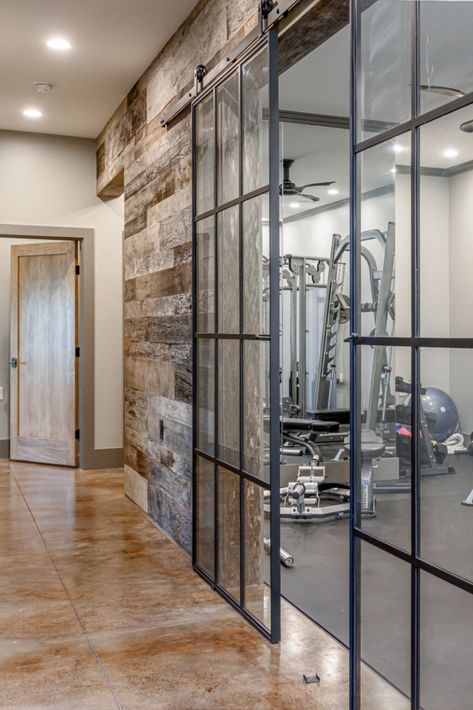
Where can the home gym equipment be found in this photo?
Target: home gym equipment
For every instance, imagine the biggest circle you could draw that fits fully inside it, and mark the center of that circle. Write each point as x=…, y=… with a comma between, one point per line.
x=437, y=402
x=285, y=557
x=317, y=311
x=303, y=298
x=432, y=453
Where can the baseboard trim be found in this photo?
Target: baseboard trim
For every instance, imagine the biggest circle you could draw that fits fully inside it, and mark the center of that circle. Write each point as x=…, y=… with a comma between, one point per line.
x=136, y=488
x=4, y=448
x=99, y=458
x=104, y=458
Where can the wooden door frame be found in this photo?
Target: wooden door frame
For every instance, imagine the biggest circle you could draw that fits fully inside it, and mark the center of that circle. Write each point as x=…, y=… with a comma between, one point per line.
x=89, y=456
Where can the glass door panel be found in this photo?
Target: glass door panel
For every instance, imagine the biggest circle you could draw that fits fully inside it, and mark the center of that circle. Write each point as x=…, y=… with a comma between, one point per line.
x=413, y=113
x=236, y=420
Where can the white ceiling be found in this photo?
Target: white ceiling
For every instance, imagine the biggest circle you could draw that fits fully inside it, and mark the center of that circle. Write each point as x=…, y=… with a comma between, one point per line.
x=113, y=41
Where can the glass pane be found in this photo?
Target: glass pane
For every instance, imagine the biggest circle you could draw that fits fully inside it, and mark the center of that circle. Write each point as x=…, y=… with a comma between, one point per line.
x=206, y=396
x=257, y=554
x=228, y=132
x=229, y=531
x=256, y=408
x=385, y=65
x=255, y=97
x=256, y=266
x=447, y=412
x=446, y=222
x=386, y=443
x=385, y=236
x=229, y=401
x=446, y=630
x=204, y=155
x=384, y=629
x=205, y=515
x=228, y=271
x=315, y=272
x=446, y=61
x=314, y=181
x=205, y=244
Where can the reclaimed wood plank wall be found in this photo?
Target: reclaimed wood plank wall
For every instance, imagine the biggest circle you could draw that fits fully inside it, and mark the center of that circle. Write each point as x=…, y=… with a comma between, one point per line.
x=152, y=166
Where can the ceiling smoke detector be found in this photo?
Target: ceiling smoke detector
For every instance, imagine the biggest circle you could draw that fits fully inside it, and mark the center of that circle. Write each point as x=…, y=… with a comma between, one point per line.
x=43, y=87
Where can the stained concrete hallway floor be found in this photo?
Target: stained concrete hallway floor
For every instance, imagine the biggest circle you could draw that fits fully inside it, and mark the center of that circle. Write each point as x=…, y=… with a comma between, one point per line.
x=99, y=609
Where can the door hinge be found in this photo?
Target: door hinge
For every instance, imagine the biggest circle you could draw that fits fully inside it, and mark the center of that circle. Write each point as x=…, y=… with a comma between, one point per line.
x=77, y=270
x=77, y=352
x=78, y=434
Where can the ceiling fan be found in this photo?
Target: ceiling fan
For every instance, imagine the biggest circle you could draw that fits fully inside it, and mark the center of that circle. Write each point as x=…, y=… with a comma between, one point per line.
x=288, y=188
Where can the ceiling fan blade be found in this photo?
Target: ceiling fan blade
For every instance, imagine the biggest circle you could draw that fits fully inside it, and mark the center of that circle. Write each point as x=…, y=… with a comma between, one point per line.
x=444, y=90
x=316, y=184
x=310, y=197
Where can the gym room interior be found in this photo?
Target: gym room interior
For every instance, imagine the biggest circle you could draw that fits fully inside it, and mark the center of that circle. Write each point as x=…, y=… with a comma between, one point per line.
x=236, y=404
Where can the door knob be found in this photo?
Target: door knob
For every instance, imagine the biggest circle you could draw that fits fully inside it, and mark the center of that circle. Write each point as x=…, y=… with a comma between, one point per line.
x=13, y=362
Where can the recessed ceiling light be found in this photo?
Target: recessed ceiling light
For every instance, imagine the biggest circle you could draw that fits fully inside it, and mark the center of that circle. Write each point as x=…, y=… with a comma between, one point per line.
x=332, y=191
x=450, y=153
x=393, y=170
x=399, y=148
x=32, y=113
x=58, y=43
x=294, y=205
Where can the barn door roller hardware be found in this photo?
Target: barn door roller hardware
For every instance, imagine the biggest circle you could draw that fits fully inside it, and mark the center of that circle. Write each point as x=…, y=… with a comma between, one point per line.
x=199, y=74
x=270, y=12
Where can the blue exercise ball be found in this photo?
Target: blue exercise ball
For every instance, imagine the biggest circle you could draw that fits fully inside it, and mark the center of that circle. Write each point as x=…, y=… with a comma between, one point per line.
x=436, y=401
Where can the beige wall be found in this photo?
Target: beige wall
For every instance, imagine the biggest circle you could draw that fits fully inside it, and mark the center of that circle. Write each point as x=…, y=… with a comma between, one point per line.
x=50, y=180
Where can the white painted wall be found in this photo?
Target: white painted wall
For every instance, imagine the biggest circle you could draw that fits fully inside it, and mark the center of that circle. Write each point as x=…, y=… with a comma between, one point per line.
x=461, y=293
x=50, y=180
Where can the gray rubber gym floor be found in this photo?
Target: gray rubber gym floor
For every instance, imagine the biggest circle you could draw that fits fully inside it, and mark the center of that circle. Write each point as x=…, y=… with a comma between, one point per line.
x=318, y=585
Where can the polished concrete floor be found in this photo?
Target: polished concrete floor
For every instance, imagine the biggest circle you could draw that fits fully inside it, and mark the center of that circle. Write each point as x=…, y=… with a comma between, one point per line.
x=99, y=609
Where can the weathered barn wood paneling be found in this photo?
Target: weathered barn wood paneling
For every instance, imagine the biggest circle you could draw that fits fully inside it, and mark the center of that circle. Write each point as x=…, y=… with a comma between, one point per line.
x=153, y=167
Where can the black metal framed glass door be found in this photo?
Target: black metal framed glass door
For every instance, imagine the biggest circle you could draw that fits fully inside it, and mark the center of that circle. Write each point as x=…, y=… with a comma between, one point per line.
x=411, y=569
x=236, y=337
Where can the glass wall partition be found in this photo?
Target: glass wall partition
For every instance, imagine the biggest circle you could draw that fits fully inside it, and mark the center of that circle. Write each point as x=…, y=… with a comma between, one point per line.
x=236, y=360
x=412, y=409
x=314, y=192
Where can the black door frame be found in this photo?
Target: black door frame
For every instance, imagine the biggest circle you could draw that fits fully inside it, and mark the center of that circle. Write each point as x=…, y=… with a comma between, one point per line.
x=415, y=342
x=270, y=41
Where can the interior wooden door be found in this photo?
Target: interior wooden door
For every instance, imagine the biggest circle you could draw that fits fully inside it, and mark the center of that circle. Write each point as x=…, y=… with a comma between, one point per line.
x=43, y=378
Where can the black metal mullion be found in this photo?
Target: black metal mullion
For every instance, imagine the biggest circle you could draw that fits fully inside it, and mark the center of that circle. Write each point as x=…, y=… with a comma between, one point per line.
x=194, y=345
x=234, y=469
x=216, y=327
x=232, y=203
x=355, y=369
x=274, y=438
x=414, y=122
x=232, y=336
x=415, y=342
x=241, y=341
x=434, y=570
x=415, y=381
